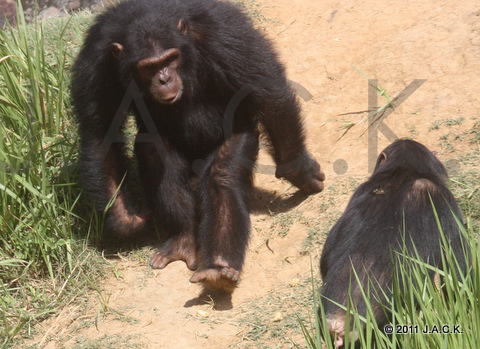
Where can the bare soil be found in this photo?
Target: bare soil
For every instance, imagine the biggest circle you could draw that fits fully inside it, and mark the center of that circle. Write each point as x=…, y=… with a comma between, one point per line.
x=321, y=44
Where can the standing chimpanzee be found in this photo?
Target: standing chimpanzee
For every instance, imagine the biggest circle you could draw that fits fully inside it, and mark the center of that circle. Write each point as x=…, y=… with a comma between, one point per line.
x=391, y=210
x=201, y=79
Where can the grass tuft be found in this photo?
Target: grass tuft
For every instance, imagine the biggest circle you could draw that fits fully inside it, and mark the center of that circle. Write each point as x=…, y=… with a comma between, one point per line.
x=42, y=264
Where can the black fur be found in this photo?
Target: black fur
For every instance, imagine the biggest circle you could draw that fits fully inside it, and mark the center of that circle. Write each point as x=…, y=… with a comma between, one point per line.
x=206, y=130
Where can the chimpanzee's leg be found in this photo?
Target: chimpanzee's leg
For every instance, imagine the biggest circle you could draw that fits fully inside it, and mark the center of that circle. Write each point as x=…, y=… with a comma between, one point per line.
x=165, y=181
x=224, y=229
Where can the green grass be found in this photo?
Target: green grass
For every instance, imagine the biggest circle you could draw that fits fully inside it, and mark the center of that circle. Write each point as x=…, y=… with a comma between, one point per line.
x=448, y=122
x=474, y=133
x=43, y=266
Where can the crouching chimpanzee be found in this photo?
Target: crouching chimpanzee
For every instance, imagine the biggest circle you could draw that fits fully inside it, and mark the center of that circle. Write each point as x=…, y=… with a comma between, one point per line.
x=201, y=79
x=389, y=211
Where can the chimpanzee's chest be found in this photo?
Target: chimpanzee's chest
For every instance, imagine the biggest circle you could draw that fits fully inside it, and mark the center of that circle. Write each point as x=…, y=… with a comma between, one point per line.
x=195, y=131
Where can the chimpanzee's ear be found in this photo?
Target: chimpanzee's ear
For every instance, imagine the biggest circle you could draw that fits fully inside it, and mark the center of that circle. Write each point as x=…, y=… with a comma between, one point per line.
x=187, y=29
x=182, y=26
x=117, y=49
x=382, y=159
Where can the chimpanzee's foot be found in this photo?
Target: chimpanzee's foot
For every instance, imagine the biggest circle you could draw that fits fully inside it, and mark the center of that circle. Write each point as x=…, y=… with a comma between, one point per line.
x=219, y=279
x=178, y=248
x=336, y=327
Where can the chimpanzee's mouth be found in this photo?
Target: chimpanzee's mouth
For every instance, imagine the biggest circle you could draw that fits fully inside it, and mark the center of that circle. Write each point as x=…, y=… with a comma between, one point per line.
x=173, y=99
x=170, y=100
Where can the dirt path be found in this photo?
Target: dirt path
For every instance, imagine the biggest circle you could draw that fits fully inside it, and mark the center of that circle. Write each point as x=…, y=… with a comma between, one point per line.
x=320, y=43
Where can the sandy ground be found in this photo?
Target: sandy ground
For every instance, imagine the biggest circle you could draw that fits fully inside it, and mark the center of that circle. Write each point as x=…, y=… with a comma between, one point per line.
x=320, y=42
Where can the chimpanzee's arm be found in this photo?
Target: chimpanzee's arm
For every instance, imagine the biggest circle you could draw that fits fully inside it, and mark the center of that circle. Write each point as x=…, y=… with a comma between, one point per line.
x=282, y=121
